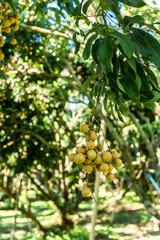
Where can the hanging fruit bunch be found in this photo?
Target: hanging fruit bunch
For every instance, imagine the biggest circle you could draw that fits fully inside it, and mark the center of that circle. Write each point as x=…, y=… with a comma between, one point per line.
x=92, y=158
x=8, y=24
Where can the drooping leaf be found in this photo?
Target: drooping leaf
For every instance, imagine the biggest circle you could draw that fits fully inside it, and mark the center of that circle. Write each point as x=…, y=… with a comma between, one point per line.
x=151, y=103
x=87, y=82
x=145, y=86
x=77, y=44
x=125, y=42
x=86, y=6
x=129, y=21
x=152, y=78
x=87, y=49
x=106, y=53
x=128, y=81
x=149, y=46
x=133, y=3
x=95, y=50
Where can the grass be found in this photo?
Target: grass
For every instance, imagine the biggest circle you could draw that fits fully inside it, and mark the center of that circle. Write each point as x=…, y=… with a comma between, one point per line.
x=122, y=220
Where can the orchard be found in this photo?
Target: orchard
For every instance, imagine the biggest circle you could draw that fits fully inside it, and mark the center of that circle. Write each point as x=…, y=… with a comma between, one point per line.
x=79, y=119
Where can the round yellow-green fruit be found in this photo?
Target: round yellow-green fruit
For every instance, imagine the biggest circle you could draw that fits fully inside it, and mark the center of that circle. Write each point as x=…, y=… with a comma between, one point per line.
x=110, y=169
x=117, y=163
x=91, y=154
x=91, y=135
x=88, y=168
x=84, y=128
x=90, y=145
x=71, y=157
x=86, y=192
x=103, y=167
x=13, y=41
x=98, y=159
x=82, y=150
x=88, y=161
x=109, y=177
x=79, y=158
x=107, y=157
x=115, y=154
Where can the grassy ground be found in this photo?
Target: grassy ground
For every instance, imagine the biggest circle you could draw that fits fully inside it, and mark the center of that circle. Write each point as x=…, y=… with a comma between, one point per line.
x=124, y=219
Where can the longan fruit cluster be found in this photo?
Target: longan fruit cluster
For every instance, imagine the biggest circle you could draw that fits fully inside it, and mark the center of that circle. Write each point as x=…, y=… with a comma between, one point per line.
x=92, y=158
x=8, y=22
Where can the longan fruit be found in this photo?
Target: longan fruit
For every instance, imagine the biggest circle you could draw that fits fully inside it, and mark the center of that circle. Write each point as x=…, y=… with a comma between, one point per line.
x=79, y=158
x=90, y=145
x=6, y=23
x=84, y=128
x=107, y=157
x=98, y=159
x=4, y=13
x=99, y=147
x=88, y=161
x=86, y=192
x=82, y=150
x=1, y=44
x=71, y=157
x=88, y=168
x=91, y=135
x=0, y=18
x=109, y=177
x=17, y=15
x=7, y=29
x=103, y=167
x=15, y=27
x=13, y=41
x=1, y=56
x=12, y=20
x=110, y=169
x=117, y=163
x=115, y=154
x=1, y=38
x=91, y=154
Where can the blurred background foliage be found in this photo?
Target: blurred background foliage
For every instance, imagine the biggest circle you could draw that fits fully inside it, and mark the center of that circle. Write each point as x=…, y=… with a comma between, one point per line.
x=43, y=100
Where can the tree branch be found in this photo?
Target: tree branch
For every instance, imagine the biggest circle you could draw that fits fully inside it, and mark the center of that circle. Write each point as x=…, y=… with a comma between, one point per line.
x=44, y=31
x=148, y=144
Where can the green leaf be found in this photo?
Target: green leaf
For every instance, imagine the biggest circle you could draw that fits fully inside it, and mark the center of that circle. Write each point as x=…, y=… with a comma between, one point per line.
x=145, y=86
x=149, y=46
x=86, y=6
x=151, y=103
x=77, y=44
x=133, y=3
x=128, y=81
x=106, y=53
x=87, y=82
x=91, y=31
x=105, y=103
x=95, y=50
x=129, y=21
x=132, y=63
x=87, y=49
x=152, y=78
x=125, y=42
